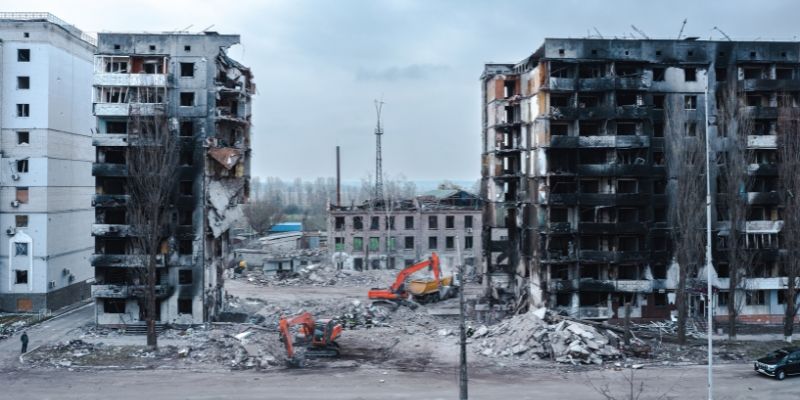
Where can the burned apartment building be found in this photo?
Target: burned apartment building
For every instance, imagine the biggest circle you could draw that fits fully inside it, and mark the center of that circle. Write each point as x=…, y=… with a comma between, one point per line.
x=204, y=96
x=396, y=234
x=45, y=162
x=573, y=171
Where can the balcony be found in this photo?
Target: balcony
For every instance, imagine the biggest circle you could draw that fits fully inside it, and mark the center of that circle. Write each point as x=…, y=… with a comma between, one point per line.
x=126, y=109
x=554, y=83
x=110, y=140
x=613, y=83
x=139, y=80
x=559, y=227
x=109, y=170
x=594, y=312
x=614, y=141
x=162, y=291
x=770, y=85
x=762, y=142
x=611, y=228
x=562, y=285
x=612, y=256
x=110, y=200
x=110, y=291
x=559, y=198
x=116, y=260
x=759, y=198
x=763, y=226
x=614, y=170
x=614, y=199
x=762, y=169
x=111, y=230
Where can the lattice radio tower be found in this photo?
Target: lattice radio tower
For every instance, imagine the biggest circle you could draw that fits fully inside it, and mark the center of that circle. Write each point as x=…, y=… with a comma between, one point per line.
x=378, y=157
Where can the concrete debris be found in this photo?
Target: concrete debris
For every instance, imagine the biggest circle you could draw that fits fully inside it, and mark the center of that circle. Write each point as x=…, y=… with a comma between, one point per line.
x=532, y=337
x=226, y=156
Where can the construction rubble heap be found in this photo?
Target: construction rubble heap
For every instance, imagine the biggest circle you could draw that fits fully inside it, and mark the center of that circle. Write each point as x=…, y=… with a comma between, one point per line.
x=542, y=335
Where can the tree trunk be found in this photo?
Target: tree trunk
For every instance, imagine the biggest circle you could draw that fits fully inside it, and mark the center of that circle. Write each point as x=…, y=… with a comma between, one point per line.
x=627, y=323
x=788, y=320
x=733, y=312
x=680, y=303
x=152, y=337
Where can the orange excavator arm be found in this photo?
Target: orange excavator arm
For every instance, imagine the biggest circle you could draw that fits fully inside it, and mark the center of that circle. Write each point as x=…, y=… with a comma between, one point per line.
x=305, y=319
x=396, y=291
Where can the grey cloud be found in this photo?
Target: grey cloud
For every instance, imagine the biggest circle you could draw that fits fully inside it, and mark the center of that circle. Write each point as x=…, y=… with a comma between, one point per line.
x=408, y=72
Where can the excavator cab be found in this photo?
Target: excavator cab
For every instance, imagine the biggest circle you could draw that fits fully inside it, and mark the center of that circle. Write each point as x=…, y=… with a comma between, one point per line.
x=316, y=337
x=414, y=291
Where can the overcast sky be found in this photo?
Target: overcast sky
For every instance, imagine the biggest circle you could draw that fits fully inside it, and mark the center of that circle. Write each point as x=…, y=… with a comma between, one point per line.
x=320, y=64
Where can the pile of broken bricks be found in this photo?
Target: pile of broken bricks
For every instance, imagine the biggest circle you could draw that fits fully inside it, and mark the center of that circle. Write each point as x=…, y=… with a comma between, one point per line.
x=541, y=335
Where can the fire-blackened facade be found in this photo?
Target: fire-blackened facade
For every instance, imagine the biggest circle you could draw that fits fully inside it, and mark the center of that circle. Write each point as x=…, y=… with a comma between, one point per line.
x=575, y=179
x=204, y=96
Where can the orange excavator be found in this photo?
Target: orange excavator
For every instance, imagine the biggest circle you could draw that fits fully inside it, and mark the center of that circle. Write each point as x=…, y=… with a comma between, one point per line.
x=421, y=291
x=318, y=337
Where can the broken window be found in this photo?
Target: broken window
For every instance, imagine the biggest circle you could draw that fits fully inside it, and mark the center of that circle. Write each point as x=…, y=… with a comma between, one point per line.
x=187, y=99
x=433, y=222
x=627, y=186
x=112, y=216
x=389, y=223
x=23, y=110
x=21, y=221
x=116, y=65
x=589, y=100
x=659, y=74
x=449, y=222
x=433, y=242
x=628, y=243
x=659, y=186
x=626, y=128
x=588, y=128
x=558, y=214
x=560, y=100
x=468, y=221
x=784, y=73
x=22, y=166
x=339, y=223
x=23, y=137
x=449, y=242
x=187, y=48
x=660, y=300
x=184, y=306
x=339, y=243
x=187, y=70
x=658, y=129
x=22, y=195
x=358, y=263
x=658, y=101
x=23, y=82
x=627, y=215
x=690, y=74
x=753, y=72
x=374, y=243
x=186, y=157
x=185, y=247
x=590, y=186
x=185, y=188
x=116, y=127
x=591, y=70
x=627, y=99
x=468, y=242
x=358, y=243
x=358, y=223
x=375, y=223
x=185, y=217
x=625, y=69
x=20, y=249
x=409, y=242
x=20, y=276
x=690, y=102
x=185, y=277
x=658, y=158
x=23, y=55
x=560, y=70
x=659, y=243
x=409, y=222
x=114, y=306
x=559, y=129
x=187, y=129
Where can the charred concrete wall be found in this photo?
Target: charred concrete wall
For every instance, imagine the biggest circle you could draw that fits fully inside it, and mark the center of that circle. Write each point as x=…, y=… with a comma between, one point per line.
x=573, y=168
x=205, y=96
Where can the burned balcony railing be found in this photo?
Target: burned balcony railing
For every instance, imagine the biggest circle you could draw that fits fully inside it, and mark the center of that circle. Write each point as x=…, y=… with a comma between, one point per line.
x=110, y=291
x=162, y=291
x=762, y=169
x=117, y=260
x=614, y=170
x=614, y=199
x=109, y=169
x=770, y=85
x=612, y=256
x=110, y=200
x=760, y=198
x=594, y=312
x=762, y=142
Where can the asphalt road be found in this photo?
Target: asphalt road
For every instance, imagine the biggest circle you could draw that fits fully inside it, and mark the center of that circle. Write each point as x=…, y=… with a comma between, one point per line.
x=733, y=381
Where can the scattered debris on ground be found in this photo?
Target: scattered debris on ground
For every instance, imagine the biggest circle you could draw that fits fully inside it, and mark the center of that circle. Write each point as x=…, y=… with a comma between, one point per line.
x=12, y=323
x=540, y=335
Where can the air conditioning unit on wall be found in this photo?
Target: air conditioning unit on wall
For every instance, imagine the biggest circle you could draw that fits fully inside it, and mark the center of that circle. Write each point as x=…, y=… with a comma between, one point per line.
x=51, y=284
x=15, y=203
x=11, y=231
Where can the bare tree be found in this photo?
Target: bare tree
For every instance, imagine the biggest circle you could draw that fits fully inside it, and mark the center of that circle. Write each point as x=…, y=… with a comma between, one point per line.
x=152, y=160
x=735, y=123
x=685, y=158
x=788, y=130
x=262, y=213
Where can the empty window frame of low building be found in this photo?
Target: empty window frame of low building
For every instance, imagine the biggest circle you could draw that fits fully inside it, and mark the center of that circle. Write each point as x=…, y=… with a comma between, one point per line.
x=409, y=222
x=433, y=222
x=185, y=306
x=21, y=221
x=409, y=242
x=187, y=70
x=187, y=99
x=185, y=277
x=20, y=276
x=23, y=55
x=450, y=222
x=22, y=166
x=433, y=242
x=23, y=138
x=20, y=249
x=339, y=243
x=375, y=223
x=358, y=223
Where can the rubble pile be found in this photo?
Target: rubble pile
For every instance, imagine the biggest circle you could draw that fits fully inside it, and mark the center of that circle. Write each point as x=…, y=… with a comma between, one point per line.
x=538, y=335
x=11, y=326
x=323, y=275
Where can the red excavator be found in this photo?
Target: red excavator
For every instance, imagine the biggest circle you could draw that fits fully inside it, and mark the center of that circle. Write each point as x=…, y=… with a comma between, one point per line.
x=421, y=291
x=318, y=337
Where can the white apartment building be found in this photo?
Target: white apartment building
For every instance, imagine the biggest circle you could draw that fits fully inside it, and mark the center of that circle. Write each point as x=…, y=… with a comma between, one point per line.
x=46, y=156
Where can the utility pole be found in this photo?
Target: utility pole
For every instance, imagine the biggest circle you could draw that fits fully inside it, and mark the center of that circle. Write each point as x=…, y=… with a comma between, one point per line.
x=709, y=263
x=462, y=376
x=378, y=156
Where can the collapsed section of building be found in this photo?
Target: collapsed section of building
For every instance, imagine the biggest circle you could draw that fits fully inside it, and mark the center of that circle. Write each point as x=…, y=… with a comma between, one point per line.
x=574, y=172
x=397, y=233
x=204, y=98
